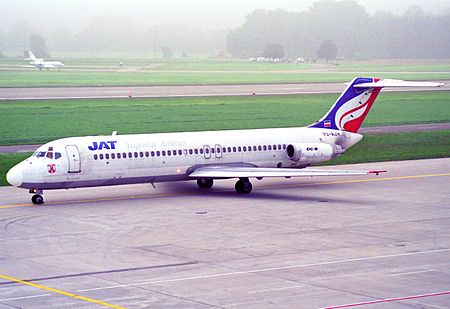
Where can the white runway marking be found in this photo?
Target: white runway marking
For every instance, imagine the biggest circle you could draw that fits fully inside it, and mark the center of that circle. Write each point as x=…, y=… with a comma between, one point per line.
x=254, y=271
x=24, y=297
x=414, y=272
x=275, y=289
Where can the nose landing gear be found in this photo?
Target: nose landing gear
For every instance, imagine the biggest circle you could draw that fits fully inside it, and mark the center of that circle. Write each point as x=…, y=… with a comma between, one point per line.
x=37, y=198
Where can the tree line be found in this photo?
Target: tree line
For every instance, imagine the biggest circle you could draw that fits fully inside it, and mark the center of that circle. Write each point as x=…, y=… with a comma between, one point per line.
x=348, y=26
x=327, y=28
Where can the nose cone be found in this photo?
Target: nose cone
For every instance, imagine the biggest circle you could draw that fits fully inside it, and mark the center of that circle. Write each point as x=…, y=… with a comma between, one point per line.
x=14, y=176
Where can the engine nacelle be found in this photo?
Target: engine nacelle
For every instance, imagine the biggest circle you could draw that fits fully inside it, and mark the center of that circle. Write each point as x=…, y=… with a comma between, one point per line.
x=309, y=152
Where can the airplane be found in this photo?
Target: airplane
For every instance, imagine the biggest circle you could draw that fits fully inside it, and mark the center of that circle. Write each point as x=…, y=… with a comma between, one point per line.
x=43, y=64
x=206, y=156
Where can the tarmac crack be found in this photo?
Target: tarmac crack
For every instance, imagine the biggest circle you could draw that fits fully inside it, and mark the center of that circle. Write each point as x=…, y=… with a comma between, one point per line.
x=101, y=272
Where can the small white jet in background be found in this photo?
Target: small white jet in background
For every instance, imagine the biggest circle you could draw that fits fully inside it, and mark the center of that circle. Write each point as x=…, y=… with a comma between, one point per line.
x=42, y=64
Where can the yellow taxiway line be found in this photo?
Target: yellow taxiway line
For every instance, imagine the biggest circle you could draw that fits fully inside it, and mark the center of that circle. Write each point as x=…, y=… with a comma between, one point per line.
x=60, y=292
x=110, y=199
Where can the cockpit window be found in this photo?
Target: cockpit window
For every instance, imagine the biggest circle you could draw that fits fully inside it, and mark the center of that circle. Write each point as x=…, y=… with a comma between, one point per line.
x=48, y=154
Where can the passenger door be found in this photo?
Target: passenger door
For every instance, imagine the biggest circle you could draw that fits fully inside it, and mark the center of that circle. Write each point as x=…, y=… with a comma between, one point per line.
x=73, y=155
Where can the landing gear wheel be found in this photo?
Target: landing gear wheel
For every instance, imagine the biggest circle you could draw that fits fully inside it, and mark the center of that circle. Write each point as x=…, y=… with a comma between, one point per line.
x=243, y=186
x=205, y=183
x=37, y=199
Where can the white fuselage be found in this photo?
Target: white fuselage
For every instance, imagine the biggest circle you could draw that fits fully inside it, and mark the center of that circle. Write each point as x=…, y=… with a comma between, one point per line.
x=42, y=64
x=125, y=159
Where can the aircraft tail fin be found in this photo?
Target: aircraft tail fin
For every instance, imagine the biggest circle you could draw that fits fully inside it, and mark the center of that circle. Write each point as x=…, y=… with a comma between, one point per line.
x=31, y=56
x=352, y=107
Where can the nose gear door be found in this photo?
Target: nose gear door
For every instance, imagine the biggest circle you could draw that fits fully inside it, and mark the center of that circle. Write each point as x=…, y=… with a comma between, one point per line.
x=73, y=156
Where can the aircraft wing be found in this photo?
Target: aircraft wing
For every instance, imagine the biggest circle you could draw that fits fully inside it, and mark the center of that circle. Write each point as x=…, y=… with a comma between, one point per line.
x=260, y=172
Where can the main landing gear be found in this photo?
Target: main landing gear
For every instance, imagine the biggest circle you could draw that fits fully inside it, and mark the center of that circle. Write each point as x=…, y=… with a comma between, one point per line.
x=37, y=198
x=205, y=183
x=243, y=185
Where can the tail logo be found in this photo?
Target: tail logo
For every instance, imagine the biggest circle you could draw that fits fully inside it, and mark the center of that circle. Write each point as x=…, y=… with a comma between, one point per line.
x=351, y=108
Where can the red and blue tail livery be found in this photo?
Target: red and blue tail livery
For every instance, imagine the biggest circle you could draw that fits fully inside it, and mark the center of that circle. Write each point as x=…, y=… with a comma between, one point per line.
x=352, y=107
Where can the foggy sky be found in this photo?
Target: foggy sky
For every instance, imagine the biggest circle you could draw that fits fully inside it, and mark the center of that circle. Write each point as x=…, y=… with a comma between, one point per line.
x=211, y=14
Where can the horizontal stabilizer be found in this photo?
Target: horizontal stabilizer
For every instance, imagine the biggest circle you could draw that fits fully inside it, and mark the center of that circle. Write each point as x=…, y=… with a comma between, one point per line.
x=397, y=83
x=257, y=172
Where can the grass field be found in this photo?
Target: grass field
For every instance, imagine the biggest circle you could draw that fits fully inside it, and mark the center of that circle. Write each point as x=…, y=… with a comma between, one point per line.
x=398, y=146
x=31, y=122
x=143, y=70
x=384, y=147
x=35, y=78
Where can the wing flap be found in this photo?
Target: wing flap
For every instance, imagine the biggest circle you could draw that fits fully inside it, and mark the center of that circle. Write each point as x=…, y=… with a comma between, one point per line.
x=259, y=172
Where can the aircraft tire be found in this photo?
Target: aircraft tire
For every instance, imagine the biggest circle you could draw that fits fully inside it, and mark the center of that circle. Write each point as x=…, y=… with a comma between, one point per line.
x=37, y=199
x=243, y=186
x=205, y=183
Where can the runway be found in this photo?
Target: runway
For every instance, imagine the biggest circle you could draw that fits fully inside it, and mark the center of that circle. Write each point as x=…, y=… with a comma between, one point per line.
x=292, y=243
x=58, y=93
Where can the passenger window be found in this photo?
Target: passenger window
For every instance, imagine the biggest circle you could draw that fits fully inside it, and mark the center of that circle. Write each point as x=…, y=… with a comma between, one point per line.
x=224, y=149
x=158, y=153
x=229, y=149
x=244, y=148
x=95, y=157
x=113, y=156
x=279, y=147
x=152, y=153
x=147, y=154
x=239, y=149
x=284, y=146
x=101, y=156
x=234, y=149
x=269, y=147
x=130, y=155
x=118, y=155
x=259, y=148
x=196, y=151
x=264, y=147
x=163, y=152
x=106, y=156
x=169, y=152
x=124, y=155
x=201, y=151
x=249, y=148
x=254, y=148
x=135, y=154
x=219, y=150
x=191, y=152
x=212, y=150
